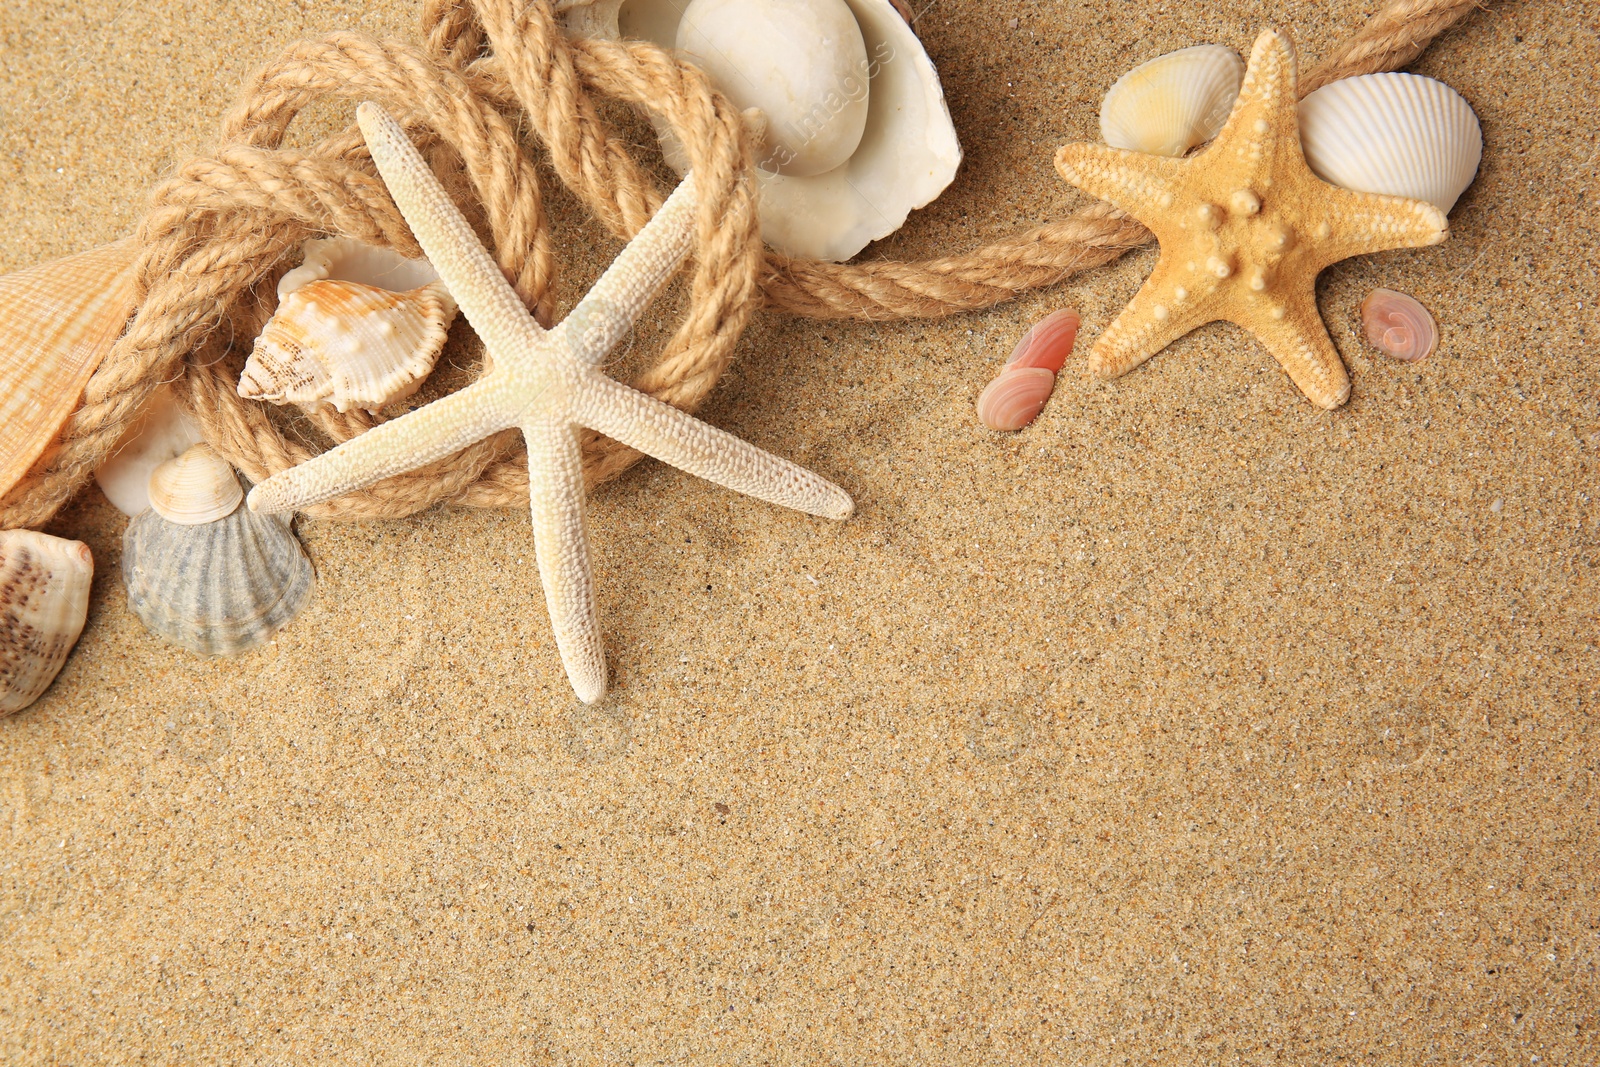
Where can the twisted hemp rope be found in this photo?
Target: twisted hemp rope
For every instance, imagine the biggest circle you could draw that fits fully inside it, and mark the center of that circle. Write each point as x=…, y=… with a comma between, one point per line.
x=218, y=231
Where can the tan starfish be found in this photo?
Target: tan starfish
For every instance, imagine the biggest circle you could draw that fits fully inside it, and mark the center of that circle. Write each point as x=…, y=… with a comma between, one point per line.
x=549, y=385
x=1245, y=227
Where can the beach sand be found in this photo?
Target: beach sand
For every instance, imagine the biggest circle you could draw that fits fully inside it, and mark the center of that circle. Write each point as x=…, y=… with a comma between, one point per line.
x=1192, y=724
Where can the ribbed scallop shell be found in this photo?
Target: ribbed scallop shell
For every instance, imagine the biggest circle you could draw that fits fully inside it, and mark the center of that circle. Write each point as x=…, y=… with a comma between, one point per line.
x=1015, y=398
x=194, y=488
x=44, y=599
x=356, y=326
x=220, y=588
x=1398, y=326
x=57, y=321
x=1397, y=134
x=1173, y=102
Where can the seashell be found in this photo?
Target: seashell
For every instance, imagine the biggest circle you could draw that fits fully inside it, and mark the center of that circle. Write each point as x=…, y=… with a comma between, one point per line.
x=162, y=431
x=194, y=488
x=1015, y=398
x=44, y=599
x=907, y=152
x=60, y=319
x=1047, y=343
x=348, y=344
x=217, y=588
x=1174, y=102
x=1398, y=326
x=802, y=63
x=356, y=326
x=1397, y=134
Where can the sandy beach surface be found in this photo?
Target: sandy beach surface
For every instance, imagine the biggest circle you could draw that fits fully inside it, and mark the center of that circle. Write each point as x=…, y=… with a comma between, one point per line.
x=1193, y=724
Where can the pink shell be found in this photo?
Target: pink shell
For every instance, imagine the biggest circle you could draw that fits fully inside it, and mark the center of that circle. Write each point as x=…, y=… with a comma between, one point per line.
x=1398, y=326
x=1012, y=400
x=1047, y=343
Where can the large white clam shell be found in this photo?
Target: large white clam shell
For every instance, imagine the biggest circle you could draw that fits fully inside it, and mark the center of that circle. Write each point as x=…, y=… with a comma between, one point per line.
x=218, y=588
x=907, y=155
x=356, y=326
x=44, y=599
x=57, y=321
x=196, y=487
x=1174, y=102
x=1397, y=134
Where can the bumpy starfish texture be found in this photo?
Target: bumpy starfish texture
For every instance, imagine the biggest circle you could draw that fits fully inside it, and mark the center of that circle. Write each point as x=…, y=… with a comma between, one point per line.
x=1245, y=227
x=547, y=384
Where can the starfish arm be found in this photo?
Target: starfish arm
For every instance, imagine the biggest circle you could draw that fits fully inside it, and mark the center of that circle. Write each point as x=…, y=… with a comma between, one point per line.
x=1360, y=223
x=464, y=265
x=1300, y=343
x=601, y=319
x=411, y=441
x=672, y=436
x=1154, y=319
x=1267, y=101
x=561, y=545
x=1140, y=184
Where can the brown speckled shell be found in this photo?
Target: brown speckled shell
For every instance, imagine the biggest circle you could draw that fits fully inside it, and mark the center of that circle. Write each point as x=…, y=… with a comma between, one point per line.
x=44, y=599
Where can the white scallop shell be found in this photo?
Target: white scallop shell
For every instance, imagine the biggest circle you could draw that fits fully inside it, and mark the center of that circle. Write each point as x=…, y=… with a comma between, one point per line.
x=1397, y=134
x=44, y=599
x=908, y=152
x=356, y=326
x=1174, y=102
x=194, y=488
x=218, y=588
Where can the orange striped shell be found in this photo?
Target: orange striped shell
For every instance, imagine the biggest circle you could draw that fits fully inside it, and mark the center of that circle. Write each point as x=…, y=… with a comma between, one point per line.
x=57, y=321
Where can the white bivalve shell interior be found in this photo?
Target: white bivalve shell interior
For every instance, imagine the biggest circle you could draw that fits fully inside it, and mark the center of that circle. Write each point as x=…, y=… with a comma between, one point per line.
x=1174, y=102
x=1396, y=134
x=162, y=431
x=906, y=153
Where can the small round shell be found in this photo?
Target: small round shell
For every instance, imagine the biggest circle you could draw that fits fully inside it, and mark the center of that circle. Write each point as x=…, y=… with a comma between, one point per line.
x=1015, y=398
x=1047, y=343
x=1173, y=102
x=1396, y=134
x=162, y=431
x=194, y=488
x=44, y=599
x=219, y=588
x=1399, y=327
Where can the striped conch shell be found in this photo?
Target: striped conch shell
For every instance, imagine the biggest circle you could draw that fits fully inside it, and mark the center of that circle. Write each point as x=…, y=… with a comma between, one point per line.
x=44, y=599
x=57, y=321
x=356, y=326
x=213, y=578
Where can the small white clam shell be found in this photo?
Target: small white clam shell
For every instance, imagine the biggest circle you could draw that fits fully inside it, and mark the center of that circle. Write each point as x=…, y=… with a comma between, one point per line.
x=802, y=63
x=907, y=156
x=194, y=488
x=1398, y=325
x=44, y=599
x=348, y=344
x=1396, y=134
x=218, y=588
x=1174, y=102
x=164, y=430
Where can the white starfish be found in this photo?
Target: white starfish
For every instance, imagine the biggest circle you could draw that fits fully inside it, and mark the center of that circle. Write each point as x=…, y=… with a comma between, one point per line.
x=547, y=384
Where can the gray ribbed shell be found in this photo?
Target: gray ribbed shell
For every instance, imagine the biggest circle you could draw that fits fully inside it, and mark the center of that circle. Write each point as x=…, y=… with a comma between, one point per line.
x=217, y=589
